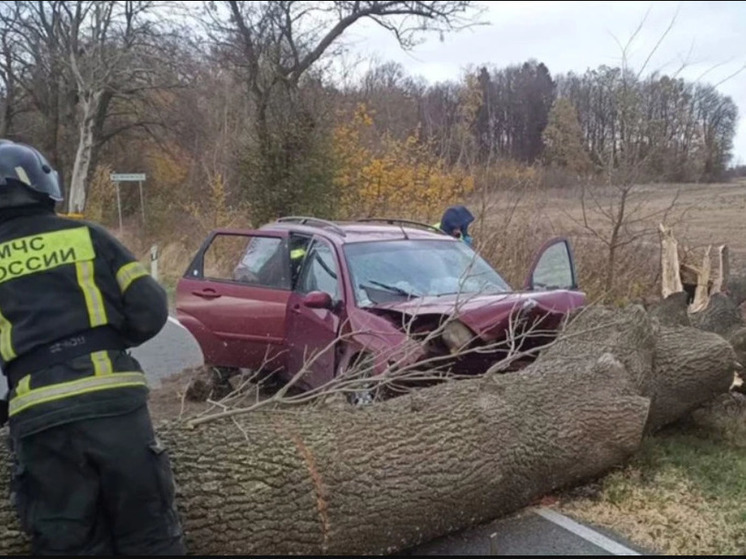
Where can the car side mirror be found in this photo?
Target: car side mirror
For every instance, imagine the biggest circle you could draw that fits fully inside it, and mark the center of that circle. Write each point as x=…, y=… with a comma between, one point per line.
x=318, y=300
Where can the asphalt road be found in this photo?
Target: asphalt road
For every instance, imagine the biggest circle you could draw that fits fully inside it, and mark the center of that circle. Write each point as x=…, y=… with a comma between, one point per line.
x=171, y=351
x=530, y=532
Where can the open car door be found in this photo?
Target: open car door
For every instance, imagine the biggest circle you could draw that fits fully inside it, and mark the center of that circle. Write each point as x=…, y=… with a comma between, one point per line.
x=233, y=298
x=315, y=313
x=553, y=268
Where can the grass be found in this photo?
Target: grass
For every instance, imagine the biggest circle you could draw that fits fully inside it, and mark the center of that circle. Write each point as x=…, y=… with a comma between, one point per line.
x=684, y=493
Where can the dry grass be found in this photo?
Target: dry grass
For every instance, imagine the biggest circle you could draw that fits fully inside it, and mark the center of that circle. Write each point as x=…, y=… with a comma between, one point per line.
x=685, y=491
x=514, y=220
x=512, y=226
x=515, y=217
x=683, y=494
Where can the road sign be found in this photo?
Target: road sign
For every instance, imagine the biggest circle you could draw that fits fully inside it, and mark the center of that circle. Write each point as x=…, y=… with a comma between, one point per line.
x=127, y=177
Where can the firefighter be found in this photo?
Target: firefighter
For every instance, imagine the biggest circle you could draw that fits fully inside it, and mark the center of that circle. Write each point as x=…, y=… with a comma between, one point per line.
x=455, y=222
x=90, y=476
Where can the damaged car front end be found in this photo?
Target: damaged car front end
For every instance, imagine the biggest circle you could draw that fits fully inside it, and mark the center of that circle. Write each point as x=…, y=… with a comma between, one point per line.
x=427, y=311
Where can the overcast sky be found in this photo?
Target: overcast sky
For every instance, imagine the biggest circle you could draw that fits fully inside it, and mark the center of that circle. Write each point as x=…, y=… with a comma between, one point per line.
x=580, y=35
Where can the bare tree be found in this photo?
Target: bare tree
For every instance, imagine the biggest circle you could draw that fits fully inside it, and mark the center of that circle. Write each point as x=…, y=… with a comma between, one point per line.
x=106, y=44
x=78, y=59
x=275, y=46
x=623, y=216
x=9, y=67
x=33, y=28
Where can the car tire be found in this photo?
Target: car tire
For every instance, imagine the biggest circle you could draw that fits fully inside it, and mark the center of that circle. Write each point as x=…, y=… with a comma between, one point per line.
x=363, y=397
x=221, y=380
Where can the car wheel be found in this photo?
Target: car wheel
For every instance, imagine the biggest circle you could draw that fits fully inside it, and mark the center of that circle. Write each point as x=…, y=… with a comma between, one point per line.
x=221, y=379
x=365, y=394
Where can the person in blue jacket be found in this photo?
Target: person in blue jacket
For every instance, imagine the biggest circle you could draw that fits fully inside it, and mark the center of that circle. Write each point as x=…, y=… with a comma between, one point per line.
x=455, y=222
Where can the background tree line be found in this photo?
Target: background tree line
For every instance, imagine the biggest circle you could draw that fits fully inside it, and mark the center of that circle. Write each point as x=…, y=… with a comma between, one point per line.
x=233, y=111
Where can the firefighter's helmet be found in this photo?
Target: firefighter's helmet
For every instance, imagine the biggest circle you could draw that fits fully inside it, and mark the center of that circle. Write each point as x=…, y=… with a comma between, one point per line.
x=26, y=177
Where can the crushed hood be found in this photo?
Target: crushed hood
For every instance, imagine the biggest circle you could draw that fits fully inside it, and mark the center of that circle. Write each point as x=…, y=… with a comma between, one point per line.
x=487, y=315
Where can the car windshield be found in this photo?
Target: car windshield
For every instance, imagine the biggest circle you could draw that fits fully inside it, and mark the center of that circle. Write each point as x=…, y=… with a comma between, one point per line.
x=395, y=270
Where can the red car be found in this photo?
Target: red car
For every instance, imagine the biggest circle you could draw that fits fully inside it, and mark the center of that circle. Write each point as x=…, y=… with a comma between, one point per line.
x=395, y=293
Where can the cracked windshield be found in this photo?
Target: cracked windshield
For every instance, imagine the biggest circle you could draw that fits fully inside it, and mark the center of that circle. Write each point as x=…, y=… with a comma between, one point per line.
x=389, y=271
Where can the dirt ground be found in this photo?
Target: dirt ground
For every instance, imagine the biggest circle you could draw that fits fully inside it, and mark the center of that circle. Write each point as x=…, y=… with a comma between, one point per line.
x=168, y=401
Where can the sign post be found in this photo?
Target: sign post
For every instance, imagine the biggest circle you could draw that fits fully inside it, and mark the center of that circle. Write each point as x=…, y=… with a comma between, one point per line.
x=154, y=262
x=142, y=203
x=119, y=207
x=129, y=177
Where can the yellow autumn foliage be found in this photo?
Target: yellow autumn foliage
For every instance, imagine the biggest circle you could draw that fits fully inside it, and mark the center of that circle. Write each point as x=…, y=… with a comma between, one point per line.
x=393, y=178
x=102, y=197
x=213, y=211
x=168, y=168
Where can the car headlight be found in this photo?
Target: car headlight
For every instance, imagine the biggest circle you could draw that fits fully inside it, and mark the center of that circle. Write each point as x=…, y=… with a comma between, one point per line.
x=457, y=336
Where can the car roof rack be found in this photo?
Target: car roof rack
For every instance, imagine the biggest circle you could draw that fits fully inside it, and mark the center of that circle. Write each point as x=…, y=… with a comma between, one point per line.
x=304, y=220
x=394, y=221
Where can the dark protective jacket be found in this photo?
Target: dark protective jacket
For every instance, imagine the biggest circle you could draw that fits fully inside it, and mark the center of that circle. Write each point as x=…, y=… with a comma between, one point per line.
x=72, y=300
x=456, y=217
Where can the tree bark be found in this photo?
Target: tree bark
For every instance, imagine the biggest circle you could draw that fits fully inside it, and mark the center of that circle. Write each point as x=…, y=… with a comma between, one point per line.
x=692, y=368
x=377, y=481
x=84, y=153
x=402, y=472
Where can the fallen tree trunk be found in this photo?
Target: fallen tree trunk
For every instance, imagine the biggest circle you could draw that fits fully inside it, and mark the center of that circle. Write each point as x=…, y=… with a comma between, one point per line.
x=373, y=482
x=385, y=478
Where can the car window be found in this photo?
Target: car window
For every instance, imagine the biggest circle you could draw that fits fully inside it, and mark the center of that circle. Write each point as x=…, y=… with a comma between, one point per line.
x=395, y=270
x=298, y=250
x=260, y=261
x=320, y=272
x=554, y=269
x=220, y=257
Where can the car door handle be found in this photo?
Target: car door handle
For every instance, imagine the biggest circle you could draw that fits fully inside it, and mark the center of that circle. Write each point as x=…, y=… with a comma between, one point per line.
x=295, y=308
x=207, y=294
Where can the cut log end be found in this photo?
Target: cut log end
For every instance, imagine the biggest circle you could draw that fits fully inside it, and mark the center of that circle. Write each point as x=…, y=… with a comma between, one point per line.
x=723, y=274
x=670, y=268
x=699, y=281
x=702, y=292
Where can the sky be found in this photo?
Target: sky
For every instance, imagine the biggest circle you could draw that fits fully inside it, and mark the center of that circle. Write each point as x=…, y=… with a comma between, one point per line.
x=707, y=38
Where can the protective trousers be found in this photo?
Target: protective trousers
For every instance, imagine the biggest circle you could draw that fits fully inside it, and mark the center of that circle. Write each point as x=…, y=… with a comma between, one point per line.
x=99, y=486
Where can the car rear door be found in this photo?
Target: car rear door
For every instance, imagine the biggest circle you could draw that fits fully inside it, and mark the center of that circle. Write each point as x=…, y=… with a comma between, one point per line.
x=233, y=298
